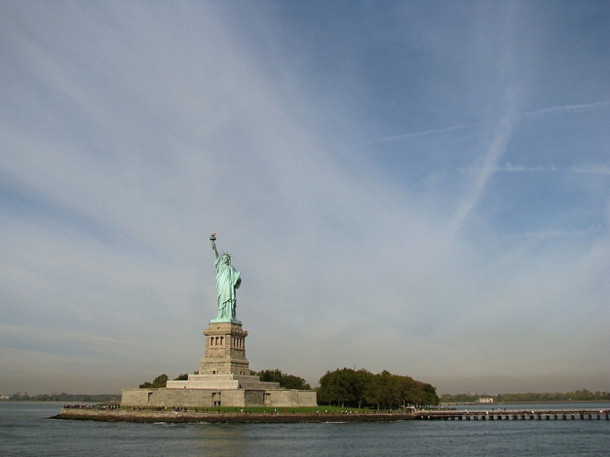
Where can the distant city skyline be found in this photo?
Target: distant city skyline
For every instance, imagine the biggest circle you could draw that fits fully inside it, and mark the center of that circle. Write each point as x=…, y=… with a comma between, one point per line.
x=420, y=187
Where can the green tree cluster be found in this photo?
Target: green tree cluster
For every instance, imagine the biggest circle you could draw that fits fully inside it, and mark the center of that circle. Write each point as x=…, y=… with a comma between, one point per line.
x=158, y=382
x=286, y=381
x=361, y=388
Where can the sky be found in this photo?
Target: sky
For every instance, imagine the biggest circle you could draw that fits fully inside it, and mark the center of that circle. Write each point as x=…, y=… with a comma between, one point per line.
x=421, y=187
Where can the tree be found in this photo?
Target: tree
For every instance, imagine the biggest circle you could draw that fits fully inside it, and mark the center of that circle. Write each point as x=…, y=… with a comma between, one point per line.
x=158, y=382
x=383, y=390
x=334, y=387
x=269, y=375
x=344, y=387
x=347, y=387
x=286, y=381
x=406, y=388
x=430, y=397
x=290, y=381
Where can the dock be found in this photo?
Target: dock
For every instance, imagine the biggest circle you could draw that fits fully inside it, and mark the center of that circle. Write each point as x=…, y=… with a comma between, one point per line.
x=530, y=414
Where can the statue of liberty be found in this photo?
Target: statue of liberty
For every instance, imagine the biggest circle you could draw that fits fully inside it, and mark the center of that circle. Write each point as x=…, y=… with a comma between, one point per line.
x=228, y=281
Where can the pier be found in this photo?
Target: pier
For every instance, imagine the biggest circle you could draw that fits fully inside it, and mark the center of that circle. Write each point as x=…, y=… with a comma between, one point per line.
x=493, y=415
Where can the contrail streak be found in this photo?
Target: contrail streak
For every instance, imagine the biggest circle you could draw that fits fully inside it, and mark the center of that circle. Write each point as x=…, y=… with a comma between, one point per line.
x=567, y=109
x=423, y=133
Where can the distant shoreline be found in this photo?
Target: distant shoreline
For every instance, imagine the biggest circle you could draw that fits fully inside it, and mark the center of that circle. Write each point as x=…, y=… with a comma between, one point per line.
x=530, y=402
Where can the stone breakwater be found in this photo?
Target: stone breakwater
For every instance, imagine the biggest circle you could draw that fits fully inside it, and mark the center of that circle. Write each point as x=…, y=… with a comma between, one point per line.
x=212, y=417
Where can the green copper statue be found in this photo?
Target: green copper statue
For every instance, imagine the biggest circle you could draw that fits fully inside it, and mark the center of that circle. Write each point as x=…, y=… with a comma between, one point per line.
x=228, y=281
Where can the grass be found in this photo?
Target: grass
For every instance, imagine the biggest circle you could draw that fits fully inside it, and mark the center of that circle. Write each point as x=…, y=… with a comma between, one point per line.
x=271, y=410
x=286, y=410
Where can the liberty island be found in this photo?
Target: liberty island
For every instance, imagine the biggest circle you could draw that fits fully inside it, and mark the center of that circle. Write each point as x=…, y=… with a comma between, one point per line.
x=224, y=377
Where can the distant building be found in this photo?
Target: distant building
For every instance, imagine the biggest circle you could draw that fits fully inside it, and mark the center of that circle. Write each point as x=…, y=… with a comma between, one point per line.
x=486, y=400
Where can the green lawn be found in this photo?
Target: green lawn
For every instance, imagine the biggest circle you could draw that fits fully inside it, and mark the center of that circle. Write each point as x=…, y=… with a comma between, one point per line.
x=300, y=410
x=271, y=410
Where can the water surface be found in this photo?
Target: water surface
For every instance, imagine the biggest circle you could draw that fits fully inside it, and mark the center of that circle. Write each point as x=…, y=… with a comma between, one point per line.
x=25, y=430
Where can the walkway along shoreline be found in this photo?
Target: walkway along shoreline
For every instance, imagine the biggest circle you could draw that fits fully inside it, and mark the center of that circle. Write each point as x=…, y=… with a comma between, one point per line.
x=211, y=417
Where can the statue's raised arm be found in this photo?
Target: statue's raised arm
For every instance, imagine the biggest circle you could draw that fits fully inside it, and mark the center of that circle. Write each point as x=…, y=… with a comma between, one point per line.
x=213, y=240
x=228, y=281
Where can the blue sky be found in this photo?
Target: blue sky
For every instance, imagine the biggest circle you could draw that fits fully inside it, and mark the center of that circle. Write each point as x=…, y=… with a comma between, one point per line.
x=418, y=186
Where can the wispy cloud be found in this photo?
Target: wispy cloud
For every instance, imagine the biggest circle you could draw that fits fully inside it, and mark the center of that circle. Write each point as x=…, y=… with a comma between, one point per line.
x=545, y=234
x=494, y=153
x=512, y=168
x=592, y=169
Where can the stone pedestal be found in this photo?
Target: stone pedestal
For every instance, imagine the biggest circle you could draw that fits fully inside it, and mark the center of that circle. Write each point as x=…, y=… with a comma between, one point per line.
x=225, y=350
x=224, y=365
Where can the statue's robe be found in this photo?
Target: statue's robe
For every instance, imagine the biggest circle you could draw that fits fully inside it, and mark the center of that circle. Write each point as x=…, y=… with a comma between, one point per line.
x=228, y=280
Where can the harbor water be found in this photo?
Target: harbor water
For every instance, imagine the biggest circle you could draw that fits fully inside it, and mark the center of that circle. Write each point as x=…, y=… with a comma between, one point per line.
x=26, y=430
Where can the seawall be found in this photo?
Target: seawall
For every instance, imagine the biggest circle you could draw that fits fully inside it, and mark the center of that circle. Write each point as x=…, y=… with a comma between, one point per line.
x=212, y=417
